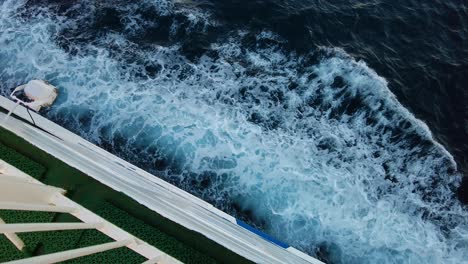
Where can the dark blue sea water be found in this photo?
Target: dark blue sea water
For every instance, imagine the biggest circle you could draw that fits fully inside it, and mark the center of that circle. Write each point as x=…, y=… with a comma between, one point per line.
x=339, y=127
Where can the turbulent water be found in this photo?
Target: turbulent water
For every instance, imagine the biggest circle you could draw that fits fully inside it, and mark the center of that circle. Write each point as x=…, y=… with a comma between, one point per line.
x=289, y=133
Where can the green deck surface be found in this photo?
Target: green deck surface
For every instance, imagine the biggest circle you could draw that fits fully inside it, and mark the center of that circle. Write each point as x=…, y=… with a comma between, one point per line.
x=181, y=243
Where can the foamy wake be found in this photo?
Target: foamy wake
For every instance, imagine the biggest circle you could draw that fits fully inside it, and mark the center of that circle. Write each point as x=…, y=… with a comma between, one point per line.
x=316, y=147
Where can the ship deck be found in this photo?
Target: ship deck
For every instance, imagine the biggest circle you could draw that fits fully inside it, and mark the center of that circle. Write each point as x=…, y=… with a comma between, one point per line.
x=119, y=209
x=98, y=180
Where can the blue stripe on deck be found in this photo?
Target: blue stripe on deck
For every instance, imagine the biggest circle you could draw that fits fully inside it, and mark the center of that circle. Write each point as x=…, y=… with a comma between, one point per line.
x=261, y=234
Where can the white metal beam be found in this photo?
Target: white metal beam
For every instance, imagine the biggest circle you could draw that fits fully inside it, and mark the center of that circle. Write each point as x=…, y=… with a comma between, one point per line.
x=60, y=203
x=19, y=244
x=72, y=254
x=7, y=170
x=36, y=207
x=14, y=190
x=162, y=260
x=38, y=227
x=113, y=231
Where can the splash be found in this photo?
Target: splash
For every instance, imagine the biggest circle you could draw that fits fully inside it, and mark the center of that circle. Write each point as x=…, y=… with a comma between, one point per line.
x=313, y=148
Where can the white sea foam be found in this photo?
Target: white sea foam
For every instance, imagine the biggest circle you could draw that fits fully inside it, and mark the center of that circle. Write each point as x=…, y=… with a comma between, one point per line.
x=332, y=161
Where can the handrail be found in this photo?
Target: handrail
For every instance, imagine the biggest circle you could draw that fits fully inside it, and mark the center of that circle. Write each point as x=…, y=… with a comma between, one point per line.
x=16, y=193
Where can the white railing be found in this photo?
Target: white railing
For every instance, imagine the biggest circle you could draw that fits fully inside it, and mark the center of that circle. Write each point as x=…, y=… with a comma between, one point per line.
x=74, y=253
x=19, y=191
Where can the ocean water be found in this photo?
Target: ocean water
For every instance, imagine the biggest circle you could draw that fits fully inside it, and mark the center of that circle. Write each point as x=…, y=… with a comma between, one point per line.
x=337, y=127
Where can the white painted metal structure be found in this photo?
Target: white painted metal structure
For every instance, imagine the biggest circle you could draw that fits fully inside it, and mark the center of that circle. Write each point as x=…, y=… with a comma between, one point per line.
x=19, y=191
x=74, y=253
x=156, y=194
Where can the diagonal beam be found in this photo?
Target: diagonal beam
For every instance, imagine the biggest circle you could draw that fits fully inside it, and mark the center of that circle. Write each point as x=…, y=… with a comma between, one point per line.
x=36, y=207
x=13, y=190
x=72, y=254
x=19, y=244
x=38, y=227
x=163, y=259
